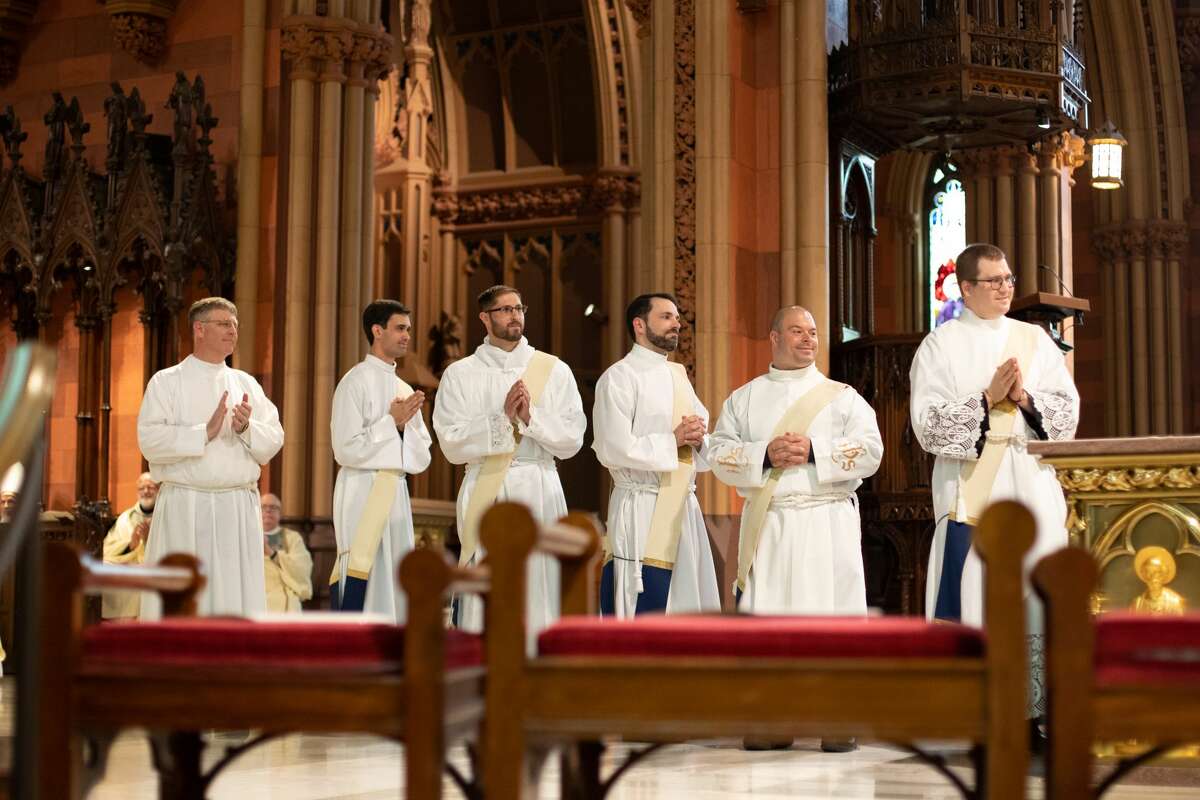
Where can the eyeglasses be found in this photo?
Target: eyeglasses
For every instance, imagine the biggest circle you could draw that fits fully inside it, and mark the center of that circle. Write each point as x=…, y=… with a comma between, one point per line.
x=267, y=507
x=224, y=324
x=508, y=310
x=997, y=282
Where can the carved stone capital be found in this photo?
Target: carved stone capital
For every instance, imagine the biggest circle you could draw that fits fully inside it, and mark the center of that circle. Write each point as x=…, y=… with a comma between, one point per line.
x=751, y=6
x=139, y=27
x=1121, y=242
x=643, y=13
x=316, y=47
x=1168, y=239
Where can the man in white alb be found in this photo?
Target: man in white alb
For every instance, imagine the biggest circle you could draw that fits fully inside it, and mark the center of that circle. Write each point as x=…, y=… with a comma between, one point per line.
x=983, y=385
x=651, y=435
x=508, y=411
x=206, y=430
x=379, y=437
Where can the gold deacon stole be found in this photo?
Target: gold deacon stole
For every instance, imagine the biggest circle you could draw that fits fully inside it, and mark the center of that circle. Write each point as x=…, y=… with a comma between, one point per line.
x=374, y=517
x=977, y=478
x=797, y=419
x=495, y=468
x=666, y=523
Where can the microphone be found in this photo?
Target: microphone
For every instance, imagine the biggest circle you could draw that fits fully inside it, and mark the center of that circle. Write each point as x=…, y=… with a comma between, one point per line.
x=1058, y=278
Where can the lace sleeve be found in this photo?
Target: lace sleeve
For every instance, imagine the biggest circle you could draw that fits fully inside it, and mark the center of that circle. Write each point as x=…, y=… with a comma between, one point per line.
x=954, y=429
x=1058, y=414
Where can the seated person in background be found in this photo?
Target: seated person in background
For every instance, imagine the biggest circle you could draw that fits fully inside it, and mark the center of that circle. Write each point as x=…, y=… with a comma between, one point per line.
x=126, y=544
x=288, y=565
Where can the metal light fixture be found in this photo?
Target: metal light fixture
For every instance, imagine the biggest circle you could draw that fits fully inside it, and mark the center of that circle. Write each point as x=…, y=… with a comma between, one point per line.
x=1108, y=145
x=1042, y=119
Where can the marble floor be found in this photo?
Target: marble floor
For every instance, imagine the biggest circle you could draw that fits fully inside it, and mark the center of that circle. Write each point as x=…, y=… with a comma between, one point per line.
x=360, y=768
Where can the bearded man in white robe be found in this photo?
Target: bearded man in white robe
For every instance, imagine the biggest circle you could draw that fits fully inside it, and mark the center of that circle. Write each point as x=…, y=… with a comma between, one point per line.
x=508, y=411
x=379, y=437
x=983, y=385
x=651, y=435
x=207, y=430
x=125, y=543
x=796, y=445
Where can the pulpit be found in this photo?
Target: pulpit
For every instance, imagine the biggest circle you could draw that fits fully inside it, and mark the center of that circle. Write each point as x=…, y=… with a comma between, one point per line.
x=1125, y=496
x=1049, y=310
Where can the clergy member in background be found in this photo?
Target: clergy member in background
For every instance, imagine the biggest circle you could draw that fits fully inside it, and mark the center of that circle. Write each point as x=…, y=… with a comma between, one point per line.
x=379, y=437
x=288, y=565
x=983, y=385
x=508, y=411
x=126, y=544
x=651, y=435
x=206, y=430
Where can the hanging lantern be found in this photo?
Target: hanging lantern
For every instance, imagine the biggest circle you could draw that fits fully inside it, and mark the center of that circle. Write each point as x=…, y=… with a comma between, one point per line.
x=1108, y=147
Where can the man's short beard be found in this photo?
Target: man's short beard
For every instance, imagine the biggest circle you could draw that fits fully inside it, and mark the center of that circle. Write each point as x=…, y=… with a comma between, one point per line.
x=662, y=342
x=501, y=332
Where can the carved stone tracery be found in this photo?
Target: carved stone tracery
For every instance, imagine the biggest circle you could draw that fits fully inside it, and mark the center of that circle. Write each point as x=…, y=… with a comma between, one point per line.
x=527, y=203
x=685, y=179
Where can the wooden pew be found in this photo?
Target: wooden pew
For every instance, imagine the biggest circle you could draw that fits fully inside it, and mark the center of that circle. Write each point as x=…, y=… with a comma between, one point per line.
x=660, y=678
x=1110, y=678
x=417, y=683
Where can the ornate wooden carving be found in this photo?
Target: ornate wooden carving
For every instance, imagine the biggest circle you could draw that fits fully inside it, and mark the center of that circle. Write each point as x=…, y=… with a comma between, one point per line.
x=958, y=74
x=139, y=27
x=579, y=197
x=685, y=179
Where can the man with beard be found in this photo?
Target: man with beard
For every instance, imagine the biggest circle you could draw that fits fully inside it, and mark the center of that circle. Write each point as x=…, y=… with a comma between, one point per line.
x=378, y=437
x=507, y=411
x=206, y=430
x=651, y=435
x=126, y=544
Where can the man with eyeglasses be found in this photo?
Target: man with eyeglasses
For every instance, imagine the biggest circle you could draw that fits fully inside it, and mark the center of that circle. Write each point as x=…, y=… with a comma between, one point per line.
x=125, y=543
x=288, y=564
x=207, y=430
x=651, y=434
x=983, y=386
x=507, y=411
x=379, y=437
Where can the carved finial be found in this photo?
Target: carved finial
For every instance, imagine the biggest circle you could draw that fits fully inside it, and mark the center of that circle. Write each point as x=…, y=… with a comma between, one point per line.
x=10, y=128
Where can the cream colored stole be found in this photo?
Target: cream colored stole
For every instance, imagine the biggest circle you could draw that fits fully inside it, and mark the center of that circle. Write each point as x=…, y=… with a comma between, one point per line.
x=797, y=419
x=495, y=468
x=666, y=523
x=369, y=531
x=977, y=478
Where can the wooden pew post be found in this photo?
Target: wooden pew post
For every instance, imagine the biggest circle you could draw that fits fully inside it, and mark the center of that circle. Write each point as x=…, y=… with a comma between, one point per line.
x=578, y=592
x=508, y=532
x=1065, y=580
x=60, y=753
x=425, y=576
x=1002, y=538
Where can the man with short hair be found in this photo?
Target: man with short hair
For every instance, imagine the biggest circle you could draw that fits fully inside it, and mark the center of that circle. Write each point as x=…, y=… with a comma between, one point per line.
x=651, y=435
x=983, y=385
x=126, y=544
x=508, y=411
x=288, y=564
x=379, y=437
x=796, y=445
x=207, y=430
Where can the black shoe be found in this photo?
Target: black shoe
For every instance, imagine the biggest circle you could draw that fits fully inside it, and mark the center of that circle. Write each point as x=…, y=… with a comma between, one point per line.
x=848, y=745
x=1037, y=736
x=766, y=744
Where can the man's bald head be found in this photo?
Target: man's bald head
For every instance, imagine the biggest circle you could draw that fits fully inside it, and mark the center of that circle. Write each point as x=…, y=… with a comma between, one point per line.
x=793, y=338
x=272, y=509
x=784, y=314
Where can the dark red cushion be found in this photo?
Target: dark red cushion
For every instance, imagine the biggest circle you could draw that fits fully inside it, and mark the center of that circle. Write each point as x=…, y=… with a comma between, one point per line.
x=217, y=641
x=1141, y=648
x=761, y=637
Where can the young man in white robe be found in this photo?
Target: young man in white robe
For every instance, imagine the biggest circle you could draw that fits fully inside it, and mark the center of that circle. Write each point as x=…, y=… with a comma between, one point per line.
x=287, y=563
x=508, y=411
x=379, y=437
x=796, y=445
x=125, y=543
x=983, y=385
x=651, y=435
x=207, y=430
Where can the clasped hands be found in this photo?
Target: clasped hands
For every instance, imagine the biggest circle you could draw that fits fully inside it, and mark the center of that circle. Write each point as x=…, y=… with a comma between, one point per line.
x=788, y=450
x=690, y=431
x=241, y=416
x=1007, y=383
x=403, y=409
x=516, y=402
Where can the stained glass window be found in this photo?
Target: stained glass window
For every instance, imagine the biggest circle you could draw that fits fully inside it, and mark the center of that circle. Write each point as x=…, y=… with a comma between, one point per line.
x=947, y=236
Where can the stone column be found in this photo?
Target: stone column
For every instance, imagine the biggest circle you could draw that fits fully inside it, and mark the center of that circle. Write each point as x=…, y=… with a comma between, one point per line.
x=1006, y=231
x=609, y=194
x=1027, y=215
x=1048, y=203
x=350, y=337
x=249, y=179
